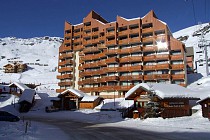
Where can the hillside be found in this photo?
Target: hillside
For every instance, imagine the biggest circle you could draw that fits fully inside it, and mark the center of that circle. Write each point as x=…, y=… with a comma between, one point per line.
x=191, y=37
x=40, y=53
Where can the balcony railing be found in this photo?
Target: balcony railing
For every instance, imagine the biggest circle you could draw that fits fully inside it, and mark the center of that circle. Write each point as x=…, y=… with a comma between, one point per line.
x=65, y=69
x=90, y=49
x=78, y=48
x=147, y=30
x=177, y=66
x=111, y=42
x=112, y=60
x=150, y=49
x=135, y=40
x=149, y=67
x=65, y=76
x=64, y=83
x=112, y=51
x=148, y=39
x=124, y=41
x=162, y=66
x=177, y=57
x=122, y=33
x=108, y=34
x=178, y=76
x=134, y=31
x=64, y=49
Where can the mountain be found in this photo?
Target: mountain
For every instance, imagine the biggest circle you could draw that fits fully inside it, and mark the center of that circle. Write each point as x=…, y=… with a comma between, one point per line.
x=192, y=37
x=39, y=53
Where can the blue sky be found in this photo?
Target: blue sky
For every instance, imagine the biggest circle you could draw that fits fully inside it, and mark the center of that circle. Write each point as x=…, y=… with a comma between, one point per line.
x=36, y=18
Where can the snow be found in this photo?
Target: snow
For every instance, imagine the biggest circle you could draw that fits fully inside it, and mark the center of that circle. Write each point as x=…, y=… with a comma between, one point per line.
x=131, y=18
x=75, y=91
x=45, y=51
x=164, y=90
x=88, y=98
x=20, y=85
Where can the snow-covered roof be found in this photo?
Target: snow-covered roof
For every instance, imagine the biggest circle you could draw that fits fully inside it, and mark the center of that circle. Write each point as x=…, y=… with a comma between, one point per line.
x=100, y=22
x=78, y=24
x=202, y=99
x=130, y=19
x=27, y=95
x=74, y=91
x=88, y=98
x=20, y=85
x=164, y=90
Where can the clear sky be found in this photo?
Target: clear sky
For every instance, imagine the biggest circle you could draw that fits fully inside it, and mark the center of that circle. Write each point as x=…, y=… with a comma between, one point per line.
x=36, y=18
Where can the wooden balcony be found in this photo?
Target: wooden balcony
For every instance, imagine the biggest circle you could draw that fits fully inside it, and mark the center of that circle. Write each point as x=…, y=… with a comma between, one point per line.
x=87, y=42
x=95, y=41
x=65, y=76
x=77, y=33
x=178, y=76
x=147, y=30
x=134, y=31
x=112, y=51
x=101, y=46
x=91, y=73
x=123, y=33
x=88, y=81
x=86, y=27
x=112, y=60
x=65, y=62
x=109, y=88
x=64, y=83
x=124, y=41
x=134, y=40
x=78, y=40
x=163, y=76
x=95, y=33
x=102, y=63
x=87, y=35
x=109, y=78
x=78, y=48
x=150, y=49
x=93, y=56
x=109, y=34
x=177, y=57
x=60, y=90
x=65, y=69
x=131, y=59
x=162, y=66
x=157, y=76
x=123, y=69
x=148, y=39
x=136, y=68
x=149, y=67
x=64, y=49
x=66, y=55
x=102, y=38
x=131, y=77
x=162, y=57
x=177, y=66
x=149, y=58
x=125, y=88
x=111, y=42
x=90, y=49
x=136, y=49
x=125, y=51
x=111, y=69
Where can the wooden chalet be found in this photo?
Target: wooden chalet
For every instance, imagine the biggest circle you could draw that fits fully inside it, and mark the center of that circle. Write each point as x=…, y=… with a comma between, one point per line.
x=205, y=104
x=17, y=88
x=170, y=100
x=14, y=68
x=26, y=100
x=72, y=99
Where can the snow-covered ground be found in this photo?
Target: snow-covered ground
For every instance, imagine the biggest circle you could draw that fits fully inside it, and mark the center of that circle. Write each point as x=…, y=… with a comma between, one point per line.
x=40, y=51
x=195, y=124
x=40, y=54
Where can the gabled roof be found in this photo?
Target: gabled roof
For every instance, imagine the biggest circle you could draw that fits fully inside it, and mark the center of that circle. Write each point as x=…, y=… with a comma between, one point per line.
x=203, y=99
x=164, y=90
x=27, y=95
x=78, y=93
x=8, y=65
x=20, y=85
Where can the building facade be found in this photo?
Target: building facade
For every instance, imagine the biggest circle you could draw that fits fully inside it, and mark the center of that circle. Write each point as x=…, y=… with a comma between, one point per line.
x=109, y=58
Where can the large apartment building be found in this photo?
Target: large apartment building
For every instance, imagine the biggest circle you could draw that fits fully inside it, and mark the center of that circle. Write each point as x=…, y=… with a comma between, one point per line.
x=108, y=58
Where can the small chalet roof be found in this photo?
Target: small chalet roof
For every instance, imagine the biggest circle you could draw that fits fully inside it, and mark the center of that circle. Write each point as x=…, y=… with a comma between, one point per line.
x=27, y=95
x=202, y=99
x=74, y=91
x=80, y=94
x=164, y=90
x=20, y=85
x=8, y=65
x=88, y=98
